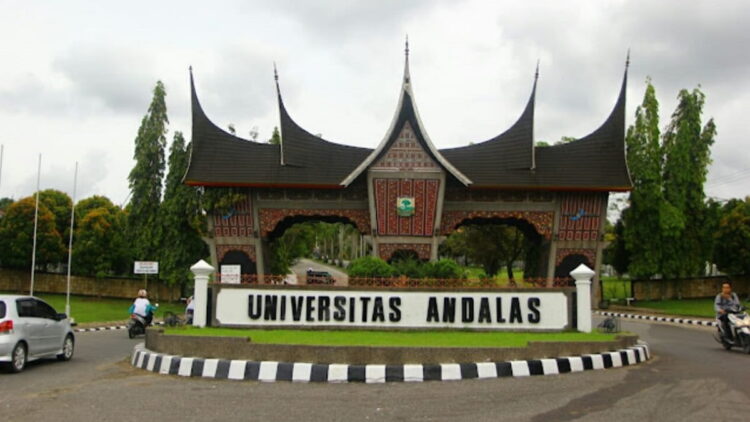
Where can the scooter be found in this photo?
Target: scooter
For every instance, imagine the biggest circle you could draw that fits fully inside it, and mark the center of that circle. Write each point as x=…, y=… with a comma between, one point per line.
x=136, y=325
x=739, y=325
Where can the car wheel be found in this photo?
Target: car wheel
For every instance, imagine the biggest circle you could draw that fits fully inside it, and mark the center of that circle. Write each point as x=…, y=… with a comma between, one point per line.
x=18, y=358
x=68, y=348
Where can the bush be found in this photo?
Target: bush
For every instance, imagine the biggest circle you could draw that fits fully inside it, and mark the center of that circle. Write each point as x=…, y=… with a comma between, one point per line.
x=370, y=266
x=411, y=268
x=445, y=268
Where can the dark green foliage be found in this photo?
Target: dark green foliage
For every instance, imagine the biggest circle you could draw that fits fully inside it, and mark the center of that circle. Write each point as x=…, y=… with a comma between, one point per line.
x=732, y=251
x=642, y=221
x=297, y=241
x=275, y=137
x=5, y=203
x=491, y=246
x=100, y=247
x=370, y=266
x=410, y=267
x=182, y=219
x=17, y=235
x=444, y=268
x=59, y=204
x=144, y=227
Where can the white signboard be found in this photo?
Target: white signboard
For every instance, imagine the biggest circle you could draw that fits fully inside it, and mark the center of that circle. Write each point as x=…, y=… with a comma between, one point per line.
x=146, y=267
x=231, y=274
x=542, y=310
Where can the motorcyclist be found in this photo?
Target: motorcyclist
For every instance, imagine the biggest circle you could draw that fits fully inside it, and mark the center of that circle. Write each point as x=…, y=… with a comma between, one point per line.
x=142, y=306
x=726, y=301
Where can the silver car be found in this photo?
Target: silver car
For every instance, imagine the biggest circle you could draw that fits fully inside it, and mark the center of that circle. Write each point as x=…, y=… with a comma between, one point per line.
x=31, y=329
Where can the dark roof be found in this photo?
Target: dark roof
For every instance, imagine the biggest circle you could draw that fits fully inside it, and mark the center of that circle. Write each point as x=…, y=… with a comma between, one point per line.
x=594, y=162
x=218, y=158
x=507, y=161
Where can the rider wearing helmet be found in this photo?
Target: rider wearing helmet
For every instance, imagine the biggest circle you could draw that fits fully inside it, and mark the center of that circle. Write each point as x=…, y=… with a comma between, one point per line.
x=143, y=307
x=726, y=301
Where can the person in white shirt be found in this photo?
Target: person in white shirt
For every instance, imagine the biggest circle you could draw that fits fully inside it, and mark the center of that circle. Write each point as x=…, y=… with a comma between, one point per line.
x=143, y=307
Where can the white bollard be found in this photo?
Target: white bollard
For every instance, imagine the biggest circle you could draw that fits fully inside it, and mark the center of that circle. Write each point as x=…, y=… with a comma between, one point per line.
x=201, y=270
x=583, y=275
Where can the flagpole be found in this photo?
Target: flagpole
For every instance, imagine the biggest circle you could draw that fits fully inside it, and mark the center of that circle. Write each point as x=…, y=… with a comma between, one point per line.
x=70, y=239
x=36, y=221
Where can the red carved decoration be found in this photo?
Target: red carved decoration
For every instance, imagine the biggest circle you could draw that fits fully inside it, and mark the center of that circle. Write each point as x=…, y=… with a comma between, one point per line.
x=406, y=153
x=221, y=251
x=541, y=220
x=581, y=216
x=562, y=253
x=270, y=217
x=425, y=193
x=237, y=222
x=386, y=250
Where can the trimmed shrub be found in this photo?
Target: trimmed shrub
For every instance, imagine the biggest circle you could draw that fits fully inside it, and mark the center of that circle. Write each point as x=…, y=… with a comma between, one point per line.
x=370, y=266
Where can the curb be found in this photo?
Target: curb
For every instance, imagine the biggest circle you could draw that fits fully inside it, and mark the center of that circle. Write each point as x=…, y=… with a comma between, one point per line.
x=268, y=371
x=703, y=322
x=106, y=328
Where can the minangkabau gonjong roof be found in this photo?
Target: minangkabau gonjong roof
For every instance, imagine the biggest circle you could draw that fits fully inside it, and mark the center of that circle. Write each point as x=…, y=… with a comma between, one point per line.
x=510, y=160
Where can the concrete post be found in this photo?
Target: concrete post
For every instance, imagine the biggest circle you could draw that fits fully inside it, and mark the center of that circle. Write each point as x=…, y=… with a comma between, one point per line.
x=583, y=274
x=201, y=270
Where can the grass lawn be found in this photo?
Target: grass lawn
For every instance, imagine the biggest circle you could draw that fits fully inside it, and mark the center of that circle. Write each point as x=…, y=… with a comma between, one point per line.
x=390, y=338
x=87, y=309
x=615, y=288
x=687, y=307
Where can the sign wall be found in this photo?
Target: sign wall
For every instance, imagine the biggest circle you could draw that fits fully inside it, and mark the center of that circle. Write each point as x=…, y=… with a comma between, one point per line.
x=528, y=310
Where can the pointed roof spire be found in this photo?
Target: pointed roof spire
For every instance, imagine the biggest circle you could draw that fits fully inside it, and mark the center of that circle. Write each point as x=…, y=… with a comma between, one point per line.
x=627, y=60
x=536, y=74
x=407, y=76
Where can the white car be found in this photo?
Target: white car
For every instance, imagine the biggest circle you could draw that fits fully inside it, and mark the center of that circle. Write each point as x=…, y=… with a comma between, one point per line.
x=30, y=329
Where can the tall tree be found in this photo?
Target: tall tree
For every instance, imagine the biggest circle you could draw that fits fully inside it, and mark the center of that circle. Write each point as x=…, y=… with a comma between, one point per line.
x=182, y=218
x=732, y=253
x=492, y=246
x=686, y=240
x=101, y=248
x=642, y=221
x=146, y=177
x=17, y=236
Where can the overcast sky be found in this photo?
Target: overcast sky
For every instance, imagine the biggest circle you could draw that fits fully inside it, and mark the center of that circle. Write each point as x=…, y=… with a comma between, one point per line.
x=76, y=77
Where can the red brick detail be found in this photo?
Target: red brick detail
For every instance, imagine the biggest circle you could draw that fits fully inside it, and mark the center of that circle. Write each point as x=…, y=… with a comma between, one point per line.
x=235, y=222
x=425, y=193
x=386, y=250
x=581, y=216
x=221, y=251
x=270, y=217
x=541, y=220
x=563, y=253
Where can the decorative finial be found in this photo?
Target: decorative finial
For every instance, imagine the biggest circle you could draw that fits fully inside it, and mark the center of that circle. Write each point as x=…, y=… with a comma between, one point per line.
x=190, y=68
x=275, y=73
x=627, y=60
x=536, y=74
x=406, y=49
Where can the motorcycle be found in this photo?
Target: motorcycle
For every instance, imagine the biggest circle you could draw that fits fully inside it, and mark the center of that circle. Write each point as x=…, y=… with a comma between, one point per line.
x=136, y=325
x=739, y=326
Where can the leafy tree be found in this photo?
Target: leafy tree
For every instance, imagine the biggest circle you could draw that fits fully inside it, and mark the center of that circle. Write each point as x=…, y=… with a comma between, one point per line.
x=17, y=235
x=643, y=220
x=5, y=203
x=275, y=137
x=687, y=144
x=370, y=266
x=297, y=241
x=491, y=246
x=84, y=206
x=146, y=177
x=732, y=252
x=616, y=253
x=100, y=247
x=59, y=204
x=182, y=218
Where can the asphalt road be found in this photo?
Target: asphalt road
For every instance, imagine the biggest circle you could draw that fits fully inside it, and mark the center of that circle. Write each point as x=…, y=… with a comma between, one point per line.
x=301, y=266
x=691, y=379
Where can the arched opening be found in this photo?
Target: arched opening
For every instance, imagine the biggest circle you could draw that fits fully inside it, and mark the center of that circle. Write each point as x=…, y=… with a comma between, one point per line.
x=307, y=248
x=568, y=264
x=508, y=250
x=237, y=257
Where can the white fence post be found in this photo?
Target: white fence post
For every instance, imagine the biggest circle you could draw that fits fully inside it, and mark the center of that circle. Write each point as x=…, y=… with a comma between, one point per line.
x=583, y=275
x=201, y=270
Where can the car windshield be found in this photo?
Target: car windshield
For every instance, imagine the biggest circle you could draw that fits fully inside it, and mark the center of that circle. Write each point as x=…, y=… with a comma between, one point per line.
x=2, y=309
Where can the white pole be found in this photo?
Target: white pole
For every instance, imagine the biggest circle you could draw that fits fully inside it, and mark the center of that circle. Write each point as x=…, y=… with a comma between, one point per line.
x=583, y=275
x=201, y=270
x=36, y=221
x=70, y=239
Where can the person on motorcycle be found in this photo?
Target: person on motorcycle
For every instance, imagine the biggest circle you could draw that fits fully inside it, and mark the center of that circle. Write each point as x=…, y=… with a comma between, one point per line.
x=726, y=301
x=143, y=307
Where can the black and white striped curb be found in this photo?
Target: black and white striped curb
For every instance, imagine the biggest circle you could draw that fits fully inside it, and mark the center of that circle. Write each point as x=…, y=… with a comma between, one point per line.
x=107, y=328
x=674, y=320
x=340, y=373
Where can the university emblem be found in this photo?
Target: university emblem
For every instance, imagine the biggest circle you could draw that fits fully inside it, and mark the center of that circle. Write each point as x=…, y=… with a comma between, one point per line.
x=405, y=206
